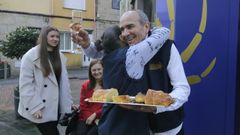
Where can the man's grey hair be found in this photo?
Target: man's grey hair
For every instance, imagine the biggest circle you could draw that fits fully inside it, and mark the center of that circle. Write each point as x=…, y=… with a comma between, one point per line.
x=143, y=19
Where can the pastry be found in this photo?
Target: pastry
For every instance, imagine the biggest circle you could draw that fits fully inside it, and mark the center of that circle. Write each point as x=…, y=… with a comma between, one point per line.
x=161, y=98
x=158, y=97
x=98, y=95
x=104, y=95
x=121, y=99
x=140, y=98
x=148, y=97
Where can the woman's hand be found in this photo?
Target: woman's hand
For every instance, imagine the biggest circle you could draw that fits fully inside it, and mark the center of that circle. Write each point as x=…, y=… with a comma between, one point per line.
x=75, y=107
x=91, y=118
x=96, y=121
x=37, y=114
x=81, y=38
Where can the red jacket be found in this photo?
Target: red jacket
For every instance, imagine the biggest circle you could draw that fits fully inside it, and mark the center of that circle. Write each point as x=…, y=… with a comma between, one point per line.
x=87, y=109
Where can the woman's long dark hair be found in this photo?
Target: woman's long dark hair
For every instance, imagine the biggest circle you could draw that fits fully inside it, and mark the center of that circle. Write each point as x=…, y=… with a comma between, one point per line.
x=92, y=80
x=110, y=40
x=44, y=57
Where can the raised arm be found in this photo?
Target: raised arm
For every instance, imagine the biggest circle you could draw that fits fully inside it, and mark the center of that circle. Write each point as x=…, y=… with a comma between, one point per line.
x=91, y=51
x=138, y=55
x=82, y=39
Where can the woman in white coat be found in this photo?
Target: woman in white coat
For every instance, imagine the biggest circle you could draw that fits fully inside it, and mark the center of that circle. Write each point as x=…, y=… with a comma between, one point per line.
x=43, y=84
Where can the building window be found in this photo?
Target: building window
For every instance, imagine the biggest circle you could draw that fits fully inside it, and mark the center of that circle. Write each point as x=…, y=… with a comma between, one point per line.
x=66, y=44
x=75, y=4
x=116, y=4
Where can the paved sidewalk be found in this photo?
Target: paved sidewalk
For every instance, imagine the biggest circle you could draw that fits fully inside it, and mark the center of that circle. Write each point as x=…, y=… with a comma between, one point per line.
x=9, y=124
x=81, y=73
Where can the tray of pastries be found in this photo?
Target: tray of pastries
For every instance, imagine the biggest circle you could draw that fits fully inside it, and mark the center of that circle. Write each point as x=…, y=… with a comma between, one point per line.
x=151, y=98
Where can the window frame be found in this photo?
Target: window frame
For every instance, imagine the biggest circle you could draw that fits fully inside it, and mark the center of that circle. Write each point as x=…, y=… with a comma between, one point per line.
x=73, y=47
x=75, y=4
x=116, y=4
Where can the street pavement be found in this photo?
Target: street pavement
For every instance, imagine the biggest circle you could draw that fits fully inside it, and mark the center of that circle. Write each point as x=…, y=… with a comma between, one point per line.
x=11, y=123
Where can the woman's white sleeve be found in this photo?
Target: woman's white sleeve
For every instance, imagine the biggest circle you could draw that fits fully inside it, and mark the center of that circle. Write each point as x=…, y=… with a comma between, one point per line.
x=92, y=52
x=139, y=54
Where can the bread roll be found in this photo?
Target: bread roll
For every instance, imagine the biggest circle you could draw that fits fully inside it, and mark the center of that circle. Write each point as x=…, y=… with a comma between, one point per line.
x=154, y=97
x=121, y=99
x=148, y=97
x=140, y=98
x=161, y=98
x=98, y=95
x=104, y=95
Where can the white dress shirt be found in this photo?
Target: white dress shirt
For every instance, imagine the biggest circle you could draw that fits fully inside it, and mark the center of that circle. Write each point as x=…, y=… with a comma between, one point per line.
x=181, y=88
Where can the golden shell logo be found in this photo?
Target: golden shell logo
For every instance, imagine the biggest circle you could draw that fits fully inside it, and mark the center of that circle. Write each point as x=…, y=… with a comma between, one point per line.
x=192, y=46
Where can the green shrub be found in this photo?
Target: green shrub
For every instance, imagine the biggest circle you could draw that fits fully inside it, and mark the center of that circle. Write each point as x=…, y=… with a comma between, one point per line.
x=18, y=42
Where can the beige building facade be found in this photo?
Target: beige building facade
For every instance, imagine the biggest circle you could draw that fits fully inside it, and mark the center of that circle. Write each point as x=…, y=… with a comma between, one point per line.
x=95, y=17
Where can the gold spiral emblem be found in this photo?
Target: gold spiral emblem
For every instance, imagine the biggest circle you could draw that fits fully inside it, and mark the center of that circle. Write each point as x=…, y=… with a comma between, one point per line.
x=192, y=46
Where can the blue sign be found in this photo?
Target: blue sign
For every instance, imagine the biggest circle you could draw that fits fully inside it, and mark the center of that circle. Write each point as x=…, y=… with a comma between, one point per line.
x=205, y=33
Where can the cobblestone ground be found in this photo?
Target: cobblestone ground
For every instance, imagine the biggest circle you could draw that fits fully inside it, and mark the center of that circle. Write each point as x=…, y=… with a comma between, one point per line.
x=10, y=125
x=6, y=97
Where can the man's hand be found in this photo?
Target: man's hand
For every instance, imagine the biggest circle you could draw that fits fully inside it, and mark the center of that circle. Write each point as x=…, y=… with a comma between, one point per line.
x=140, y=108
x=81, y=38
x=37, y=114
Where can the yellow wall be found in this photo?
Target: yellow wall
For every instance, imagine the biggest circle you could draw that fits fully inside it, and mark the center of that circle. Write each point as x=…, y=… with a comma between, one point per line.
x=60, y=10
x=31, y=6
x=74, y=60
x=52, y=7
x=63, y=23
x=59, y=17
